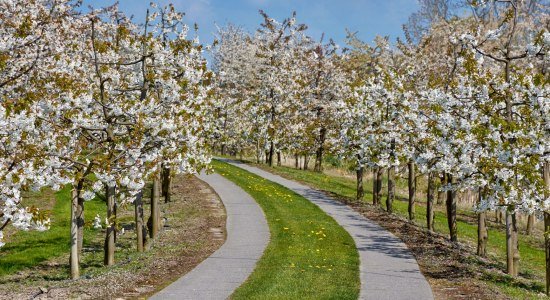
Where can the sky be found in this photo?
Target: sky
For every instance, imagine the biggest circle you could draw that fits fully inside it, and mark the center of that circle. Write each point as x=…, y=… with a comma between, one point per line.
x=332, y=17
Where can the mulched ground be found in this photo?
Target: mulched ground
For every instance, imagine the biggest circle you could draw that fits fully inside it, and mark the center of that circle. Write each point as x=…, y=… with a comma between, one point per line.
x=194, y=228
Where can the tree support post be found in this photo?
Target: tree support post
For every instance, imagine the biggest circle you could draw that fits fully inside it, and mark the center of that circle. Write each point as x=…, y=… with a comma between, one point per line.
x=412, y=190
x=140, y=228
x=109, y=258
x=75, y=272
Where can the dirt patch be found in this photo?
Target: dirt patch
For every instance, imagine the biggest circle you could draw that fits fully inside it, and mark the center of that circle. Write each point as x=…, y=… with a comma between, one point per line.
x=194, y=227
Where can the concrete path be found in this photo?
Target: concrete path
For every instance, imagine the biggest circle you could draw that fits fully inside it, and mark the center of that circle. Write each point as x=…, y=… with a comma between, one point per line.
x=388, y=270
x=227, y=268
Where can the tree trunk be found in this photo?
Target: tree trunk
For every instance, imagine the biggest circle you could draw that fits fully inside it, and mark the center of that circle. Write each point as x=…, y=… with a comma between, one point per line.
x=379, y=178
x=451, y=211
x=297, y=161
x=360, y=190
x=80, y=224
x=501, y=216
x=140, y=227
x=319, y=152
x=115, y=218
x=512, y=251
x=80, y=218
x=440, y=194
x=166, y=184
x=258, y=152
x=547, y=244
x=441, y=197
x=375, y=185
x=305, y=161
x=271, y=153
x=279, y=163
x=73, y=260
x=530, y=224
x=482, y=234
x=391, y=189
x=155, y=209
x=546, y=176
x=222, y=150
x=109, y=247
x=412, y=190
x=430, y=202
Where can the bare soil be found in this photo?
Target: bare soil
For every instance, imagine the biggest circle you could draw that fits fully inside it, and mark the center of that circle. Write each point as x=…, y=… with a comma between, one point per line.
x=194, y=227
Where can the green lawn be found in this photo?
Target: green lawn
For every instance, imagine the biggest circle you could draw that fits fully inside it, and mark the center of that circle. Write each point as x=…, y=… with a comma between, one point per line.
x=309, y=255
x=28, y=248
x=532, y=264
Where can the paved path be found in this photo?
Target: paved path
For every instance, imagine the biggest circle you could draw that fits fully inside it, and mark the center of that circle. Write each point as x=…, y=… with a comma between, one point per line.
x=227, y=268
x=388, y=270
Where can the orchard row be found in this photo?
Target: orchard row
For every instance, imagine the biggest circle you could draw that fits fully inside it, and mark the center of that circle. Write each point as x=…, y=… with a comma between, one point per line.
x=464, y=102
x=99, y=102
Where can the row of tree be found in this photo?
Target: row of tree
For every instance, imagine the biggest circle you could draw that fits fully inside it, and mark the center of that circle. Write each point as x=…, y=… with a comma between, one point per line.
x=463, y=100
x=99, y=102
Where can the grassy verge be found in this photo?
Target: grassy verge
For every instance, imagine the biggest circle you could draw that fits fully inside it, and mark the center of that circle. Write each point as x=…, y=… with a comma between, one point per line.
x=309, y=256
x=532, y=255
x=26, y=249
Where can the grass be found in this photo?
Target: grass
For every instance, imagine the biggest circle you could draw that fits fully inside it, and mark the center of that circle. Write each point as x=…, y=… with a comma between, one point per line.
x=27, y=249
x=532, y=264
x=309, y=255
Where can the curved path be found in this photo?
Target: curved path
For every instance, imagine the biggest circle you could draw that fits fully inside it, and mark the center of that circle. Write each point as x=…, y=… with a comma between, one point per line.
x=388, y=270
x=227, y=268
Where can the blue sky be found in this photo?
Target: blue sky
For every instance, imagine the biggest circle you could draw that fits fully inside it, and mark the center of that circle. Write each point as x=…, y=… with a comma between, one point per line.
x=367, y=17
